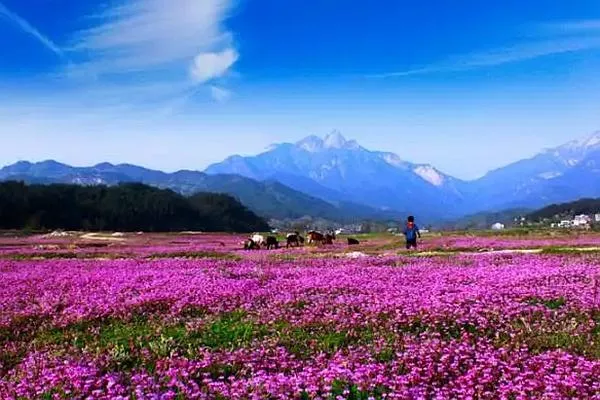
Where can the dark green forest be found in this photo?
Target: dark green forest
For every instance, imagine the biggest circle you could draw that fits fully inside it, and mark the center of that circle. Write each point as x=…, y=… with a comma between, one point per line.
x=557, y=211
x=124, y=207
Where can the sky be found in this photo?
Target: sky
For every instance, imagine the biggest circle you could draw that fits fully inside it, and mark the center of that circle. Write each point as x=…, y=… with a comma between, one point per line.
x=468, y=86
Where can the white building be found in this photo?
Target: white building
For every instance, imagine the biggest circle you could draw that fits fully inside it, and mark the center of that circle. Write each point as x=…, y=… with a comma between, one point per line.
x=597, y=217
x=581, y=220
x=565, y=223
x=498, y=226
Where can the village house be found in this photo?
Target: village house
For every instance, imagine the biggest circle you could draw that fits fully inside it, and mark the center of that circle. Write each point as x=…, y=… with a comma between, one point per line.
x=581, y=220
x=498, y=226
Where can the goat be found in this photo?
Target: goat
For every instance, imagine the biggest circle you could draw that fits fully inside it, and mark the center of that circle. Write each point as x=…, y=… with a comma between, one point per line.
x=294, y=239
x=250, y=244
x=271, y=242
x=315, y=237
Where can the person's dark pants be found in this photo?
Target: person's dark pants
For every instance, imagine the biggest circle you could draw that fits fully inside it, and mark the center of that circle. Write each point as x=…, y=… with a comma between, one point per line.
x=411, y=243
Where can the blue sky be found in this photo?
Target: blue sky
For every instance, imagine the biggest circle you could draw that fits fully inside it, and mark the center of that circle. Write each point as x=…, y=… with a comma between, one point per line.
x=467, y=85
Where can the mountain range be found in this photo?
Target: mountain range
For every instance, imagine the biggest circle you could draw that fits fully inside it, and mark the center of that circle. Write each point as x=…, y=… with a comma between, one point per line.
x=560, y=174
x=269, y=199
x=335, y=178
x=334, y=168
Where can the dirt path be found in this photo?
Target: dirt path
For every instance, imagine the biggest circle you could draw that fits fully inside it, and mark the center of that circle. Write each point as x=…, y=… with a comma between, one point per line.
x=99, y=236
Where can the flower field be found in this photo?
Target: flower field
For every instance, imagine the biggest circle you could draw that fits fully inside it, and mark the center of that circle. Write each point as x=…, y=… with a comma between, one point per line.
x=195, y=317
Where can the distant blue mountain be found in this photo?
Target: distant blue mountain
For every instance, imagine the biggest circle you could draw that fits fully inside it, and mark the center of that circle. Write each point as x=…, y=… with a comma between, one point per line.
x=560, y=174
x=270, y=199
x=333, y=168
x=332, y=177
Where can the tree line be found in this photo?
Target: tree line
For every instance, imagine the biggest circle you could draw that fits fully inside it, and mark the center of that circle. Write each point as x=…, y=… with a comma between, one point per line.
x=581, y=206
x=125, y=207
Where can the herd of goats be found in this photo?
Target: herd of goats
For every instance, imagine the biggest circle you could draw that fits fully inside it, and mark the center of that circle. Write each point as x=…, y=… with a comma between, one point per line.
x=258, y=241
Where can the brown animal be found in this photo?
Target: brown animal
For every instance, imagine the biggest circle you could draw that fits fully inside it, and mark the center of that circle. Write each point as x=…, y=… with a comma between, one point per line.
x=328, y=239
x=315, y=237
x=352, y=242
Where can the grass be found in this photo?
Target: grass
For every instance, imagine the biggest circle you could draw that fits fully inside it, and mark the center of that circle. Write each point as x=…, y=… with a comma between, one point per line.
x=350, y=391
x=126, y=340
x=140, y=342
x=553, y=304
x=555, y=250
x=584, y=345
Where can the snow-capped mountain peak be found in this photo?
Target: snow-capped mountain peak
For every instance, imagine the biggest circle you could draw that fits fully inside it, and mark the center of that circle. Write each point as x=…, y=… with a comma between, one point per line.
x=572, y=153
x=430, y=174
x=393, y=159
x=311, y=144
x=593, y=141
x=587, y=142
x=334, y=140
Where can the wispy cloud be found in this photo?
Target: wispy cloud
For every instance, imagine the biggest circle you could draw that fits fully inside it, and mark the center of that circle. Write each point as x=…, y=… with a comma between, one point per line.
x=219, y=94
x=561, y=38
x=574, y=27
x=153, y=36
x=30, y=30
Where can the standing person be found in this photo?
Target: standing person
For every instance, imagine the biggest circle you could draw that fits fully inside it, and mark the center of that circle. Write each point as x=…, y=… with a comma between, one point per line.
x=411, y=231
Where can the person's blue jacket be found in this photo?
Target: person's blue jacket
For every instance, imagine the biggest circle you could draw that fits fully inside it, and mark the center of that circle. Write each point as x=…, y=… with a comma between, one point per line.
x=411, y=233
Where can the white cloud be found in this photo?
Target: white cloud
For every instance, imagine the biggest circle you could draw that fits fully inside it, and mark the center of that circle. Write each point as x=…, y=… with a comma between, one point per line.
x=208, y=66
x=219, y=94
x=163, y=48
x=563, y=38
x=29, y=29
x=153, y=35
x=529, y=51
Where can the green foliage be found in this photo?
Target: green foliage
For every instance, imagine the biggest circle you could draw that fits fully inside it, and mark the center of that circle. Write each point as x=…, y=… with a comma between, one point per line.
x=553, y=304
x=305, y=341
x=585, y=345
x=350, y=391
x=126, y=207
x=569, y=251
x=230, y=331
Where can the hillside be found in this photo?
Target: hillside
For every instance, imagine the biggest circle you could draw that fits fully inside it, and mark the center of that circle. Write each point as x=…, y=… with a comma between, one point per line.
x=338, y=180
x=334, y=168
x=484, y=220
x=269, y=199
x=557, y=175
x=125, y=207
x=582, y=206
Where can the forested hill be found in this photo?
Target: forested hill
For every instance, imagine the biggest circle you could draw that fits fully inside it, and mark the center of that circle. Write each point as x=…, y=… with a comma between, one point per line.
x=125, y=207
x=582, y=206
